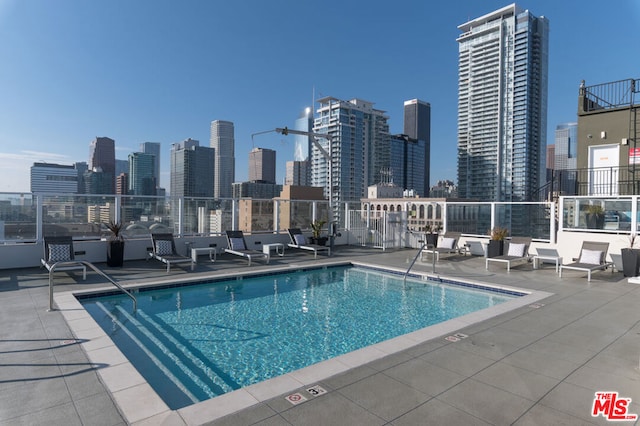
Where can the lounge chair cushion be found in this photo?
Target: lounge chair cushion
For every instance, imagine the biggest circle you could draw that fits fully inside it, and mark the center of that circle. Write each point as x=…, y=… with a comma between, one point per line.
x=59, y=253
x=516, y=250
x=591, y=257
x=163, y=248
x=237, y=244
x=447, y=243
x=300, y=239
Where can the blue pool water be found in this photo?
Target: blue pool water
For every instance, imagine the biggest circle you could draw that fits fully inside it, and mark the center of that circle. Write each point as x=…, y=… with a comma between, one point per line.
x=196, y=342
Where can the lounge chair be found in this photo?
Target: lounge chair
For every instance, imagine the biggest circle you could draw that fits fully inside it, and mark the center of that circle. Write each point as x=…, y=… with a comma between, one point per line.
x=547, y=255
x=59, y=253
x=517, y=251
x=164, y=250
x=448, y=245
x=476, y=248
x=593, y=256
x=299, y=241
x=238, y=247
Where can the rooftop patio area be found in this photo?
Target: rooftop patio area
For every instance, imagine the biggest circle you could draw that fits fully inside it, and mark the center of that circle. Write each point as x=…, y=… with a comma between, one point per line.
x=538, y=364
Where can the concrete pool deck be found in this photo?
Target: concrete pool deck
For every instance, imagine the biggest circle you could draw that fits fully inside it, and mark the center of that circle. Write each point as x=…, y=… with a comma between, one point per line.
x=538, y=364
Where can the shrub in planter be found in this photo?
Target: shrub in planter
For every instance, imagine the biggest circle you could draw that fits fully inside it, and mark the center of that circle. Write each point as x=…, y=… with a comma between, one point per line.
x=115, y=245
x=631, y=258
x=496, y=243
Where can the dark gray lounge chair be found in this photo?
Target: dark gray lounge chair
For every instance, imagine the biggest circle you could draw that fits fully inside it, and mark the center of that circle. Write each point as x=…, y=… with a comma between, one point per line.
x=238, y=246
x=299, y=241
x=164, y=250
x=58, y=252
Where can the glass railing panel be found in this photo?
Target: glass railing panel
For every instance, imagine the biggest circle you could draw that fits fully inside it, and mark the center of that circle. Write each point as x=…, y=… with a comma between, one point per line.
x=18, y=217
x=295, y=214
x=600, y=214
x=255, y=215
x=81, y=216
x=469, y=218
x=524, y=220
x=144, y=215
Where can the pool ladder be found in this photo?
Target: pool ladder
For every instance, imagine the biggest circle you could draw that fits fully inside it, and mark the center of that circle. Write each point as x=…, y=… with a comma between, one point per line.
x=433, y=257
x=92, y=266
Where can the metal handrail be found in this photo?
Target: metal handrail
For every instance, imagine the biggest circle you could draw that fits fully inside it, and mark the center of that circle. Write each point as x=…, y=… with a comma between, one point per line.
x=92, y=266
x=424, y=245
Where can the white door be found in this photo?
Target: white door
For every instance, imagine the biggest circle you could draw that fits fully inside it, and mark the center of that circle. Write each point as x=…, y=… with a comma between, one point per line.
x=604, y=162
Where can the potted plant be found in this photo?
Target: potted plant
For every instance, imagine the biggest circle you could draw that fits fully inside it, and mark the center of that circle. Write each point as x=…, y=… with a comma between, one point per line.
x=316, y=229
x=115, y=245
x=496, y=243
x=631, y=258
x=595, y=216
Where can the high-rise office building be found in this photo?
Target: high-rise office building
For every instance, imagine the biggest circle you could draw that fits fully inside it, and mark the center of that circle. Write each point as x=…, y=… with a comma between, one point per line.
x=142, y=179
x=565, y=161
x=222, y=140
x=408, y=164
x=262, y=165
x=303, y=143
x=360, y=147
x=102, y=159
x=192, y=169
x=502, y=105
x=153, y=148
x=48, y=177
x=417, y=126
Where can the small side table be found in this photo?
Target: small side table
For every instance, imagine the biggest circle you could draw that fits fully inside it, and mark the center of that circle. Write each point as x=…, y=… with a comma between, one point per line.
x=195, y=251
x=556, y=259
x=277, y=247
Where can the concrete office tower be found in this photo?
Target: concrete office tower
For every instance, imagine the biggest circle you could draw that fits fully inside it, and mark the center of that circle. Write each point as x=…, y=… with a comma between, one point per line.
x=192, y=169
x=297, y=173
x=102, y=159
x=142, y=179
x=502, y=105
x=417, y=125
x=262, y=165
x=153, y=148
x=222, y=140
x=360, y=147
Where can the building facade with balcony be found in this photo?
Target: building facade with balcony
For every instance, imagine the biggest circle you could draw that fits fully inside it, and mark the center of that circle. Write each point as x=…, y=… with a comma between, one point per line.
x=502, y=105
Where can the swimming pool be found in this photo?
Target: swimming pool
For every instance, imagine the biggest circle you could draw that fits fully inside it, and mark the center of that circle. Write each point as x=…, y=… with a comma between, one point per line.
x=196, y=342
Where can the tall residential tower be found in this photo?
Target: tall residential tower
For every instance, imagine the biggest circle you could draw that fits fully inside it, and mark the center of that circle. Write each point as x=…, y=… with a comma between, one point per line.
x=502, y=105
x=222, y=140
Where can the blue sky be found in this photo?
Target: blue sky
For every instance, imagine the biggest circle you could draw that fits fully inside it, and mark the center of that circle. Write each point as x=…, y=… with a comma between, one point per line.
x=161, y=71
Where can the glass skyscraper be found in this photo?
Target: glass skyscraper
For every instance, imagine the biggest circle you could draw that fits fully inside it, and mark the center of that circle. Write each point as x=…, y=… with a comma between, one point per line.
x=142, y=179
x=502, y=105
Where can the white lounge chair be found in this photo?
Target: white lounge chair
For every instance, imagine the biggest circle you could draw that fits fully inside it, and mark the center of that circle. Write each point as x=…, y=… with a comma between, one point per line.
x=448, y=245
x=593, y=255
x=517, y=251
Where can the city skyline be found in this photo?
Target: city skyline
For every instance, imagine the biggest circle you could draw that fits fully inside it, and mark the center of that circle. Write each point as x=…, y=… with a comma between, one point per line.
x=156, y=71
